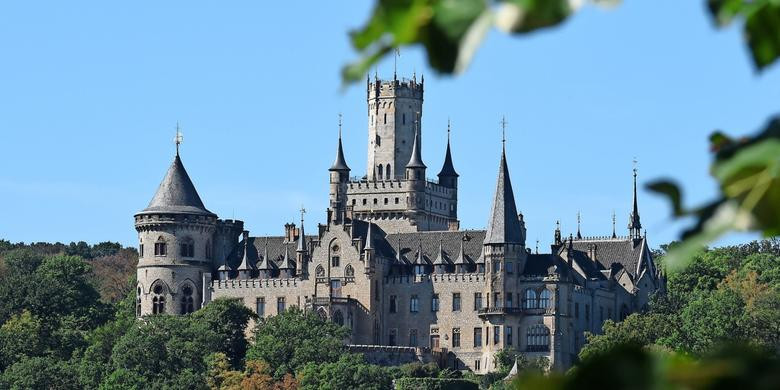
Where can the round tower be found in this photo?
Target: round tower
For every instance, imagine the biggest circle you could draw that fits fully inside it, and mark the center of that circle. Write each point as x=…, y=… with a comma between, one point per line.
x=176, y=242
x=393, y=106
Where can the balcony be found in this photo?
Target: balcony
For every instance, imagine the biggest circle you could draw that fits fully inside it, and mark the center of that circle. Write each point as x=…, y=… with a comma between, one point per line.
x=498, y=310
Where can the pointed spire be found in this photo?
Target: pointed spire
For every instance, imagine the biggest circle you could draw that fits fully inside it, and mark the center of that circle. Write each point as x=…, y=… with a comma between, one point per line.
x=369, y=238
x=579, y=235
x=440, y=256
x=419, y=259
x=340, y=164
x=286, y=261
x=398, y=257
x=447, y=169
x=461, y=259
x=558, y=240
x=245, y=264
x=301, y=236
x=265, y=262
x=416, y=160
x=504, y=225
x=176, y=194
x=634, y=224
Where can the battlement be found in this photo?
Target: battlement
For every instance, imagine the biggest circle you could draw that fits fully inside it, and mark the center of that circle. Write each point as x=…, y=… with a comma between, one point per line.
x=230, y=224
x=152, y=219
x=436, y=278
x=403, y=87
x=254, y=283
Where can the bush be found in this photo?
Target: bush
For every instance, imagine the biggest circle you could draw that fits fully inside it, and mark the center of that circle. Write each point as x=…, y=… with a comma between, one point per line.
x=435, y=384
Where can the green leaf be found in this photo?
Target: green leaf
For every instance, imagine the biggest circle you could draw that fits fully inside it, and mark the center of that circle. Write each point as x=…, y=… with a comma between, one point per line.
x=672, y=191
x=522, y=16
x=763, y=34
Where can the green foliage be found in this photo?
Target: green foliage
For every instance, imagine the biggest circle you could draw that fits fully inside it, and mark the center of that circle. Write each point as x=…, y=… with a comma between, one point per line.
x=39, y=373
x=435, y=384
x=636, y=330
x=419, y=370
x=294, y=338
x=21, y=337
x=228, y=319
x=350, y=371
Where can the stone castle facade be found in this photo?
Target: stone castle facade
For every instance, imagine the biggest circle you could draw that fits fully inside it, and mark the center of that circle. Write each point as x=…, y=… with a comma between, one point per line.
x=390, y=261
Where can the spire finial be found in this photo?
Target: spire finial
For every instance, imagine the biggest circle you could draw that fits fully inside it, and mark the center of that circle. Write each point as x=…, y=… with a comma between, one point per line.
x=579, y=235
x=503, y=132
x=537, y=246
x=634, y=223
x=179, y=138
x=449, y=123
x=613, y=224
x=339, y=125
x=395, y=62
x=303, y=211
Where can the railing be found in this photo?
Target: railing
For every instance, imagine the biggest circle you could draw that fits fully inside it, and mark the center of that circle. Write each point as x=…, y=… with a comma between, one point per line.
x=514, y=310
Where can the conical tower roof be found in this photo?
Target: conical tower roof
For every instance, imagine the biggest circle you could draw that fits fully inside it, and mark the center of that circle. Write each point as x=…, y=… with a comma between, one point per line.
x=265, y=263
x=447, y=169
x=503, y=225
x=440, y=258
x=287, y=263
x=416, y=160
x=461, y=259
x=246, y=265
x=176, y=194
x=340, y=164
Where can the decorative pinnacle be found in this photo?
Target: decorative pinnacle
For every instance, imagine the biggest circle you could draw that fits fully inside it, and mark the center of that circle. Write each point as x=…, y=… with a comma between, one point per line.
x=339, y=125
x=503, y=132
x=179, y=138
x=448, y=129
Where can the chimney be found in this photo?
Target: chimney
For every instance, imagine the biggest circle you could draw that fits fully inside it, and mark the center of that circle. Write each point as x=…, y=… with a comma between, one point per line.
x=290, y=232
x=592, y=252
x=453, y=225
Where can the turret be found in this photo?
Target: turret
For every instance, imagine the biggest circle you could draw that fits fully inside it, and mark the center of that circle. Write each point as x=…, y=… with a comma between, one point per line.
x=368, y=251
x=246, y=268
x=339, y=177
x=440, y=264
x=265, y=266
x=415, y=176
x=301, y=251
x=447, y=176
x=176, y=233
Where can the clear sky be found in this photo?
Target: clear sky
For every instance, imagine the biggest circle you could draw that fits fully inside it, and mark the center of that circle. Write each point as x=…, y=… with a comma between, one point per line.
x=90, y=94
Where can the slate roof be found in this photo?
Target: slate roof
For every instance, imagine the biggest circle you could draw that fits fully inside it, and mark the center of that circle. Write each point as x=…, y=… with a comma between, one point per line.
x=340, y=164
x=450, y=243
x=416, y=160
x=503, y=225
x=544, y=264
x=608, y=251
x=277, y=246
x=447, y=169
x=176, y=194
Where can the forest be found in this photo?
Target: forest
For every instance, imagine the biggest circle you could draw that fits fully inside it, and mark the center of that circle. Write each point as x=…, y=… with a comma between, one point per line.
x=68, y=322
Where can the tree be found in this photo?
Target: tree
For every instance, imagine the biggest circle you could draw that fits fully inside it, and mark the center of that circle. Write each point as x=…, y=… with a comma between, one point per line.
x=228, y=319
x=39, y=373
x=636, y=330
x=21, y=337
x=349, y=371
x=290, y=340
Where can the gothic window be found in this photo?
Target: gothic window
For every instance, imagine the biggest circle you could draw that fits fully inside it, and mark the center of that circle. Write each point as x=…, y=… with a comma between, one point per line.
x=477, y=337
x=496, y=335
x=338, y=318
x=364, y=201
x=435, y=302
x=455, y=301
x=509, y=268
x=350, y=320
x=538, y=338
x=160, y=247
x=320, y=272
x=387, y=172
x=187, y=303
x=138, y=302
x=544, y=299
x=477, y=301
x=349, y=271
x=141, y=250
x=508, y=335
x=158, y=301
x=414, y=304
x=530, y=299
x=334, y=261
x=379, y=168
x=280, y=305
x=187, y=248
x=455, y=337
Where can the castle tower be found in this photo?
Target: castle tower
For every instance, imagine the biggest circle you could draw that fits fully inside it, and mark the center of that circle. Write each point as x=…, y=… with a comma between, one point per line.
x=393, y=107
x=176, y=234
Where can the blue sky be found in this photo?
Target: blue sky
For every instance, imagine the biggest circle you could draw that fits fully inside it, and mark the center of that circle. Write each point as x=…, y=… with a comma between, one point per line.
x=90, y=94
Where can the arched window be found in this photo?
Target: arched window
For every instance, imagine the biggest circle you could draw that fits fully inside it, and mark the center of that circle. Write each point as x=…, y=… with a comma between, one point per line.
x=320, y=272
x=538, y=338
x=138, y=302
x=545, y=298
x=387, y=172
x=530, y=299
x=322, y=313
x=187, y=303
x=349, y=271
x=379, y=170
x=187, y=248
x=158, y=301
x=338, y=318
x=160, y=247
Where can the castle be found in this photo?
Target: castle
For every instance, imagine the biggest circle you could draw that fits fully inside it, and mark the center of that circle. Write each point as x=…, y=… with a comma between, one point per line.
x=391, y=262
